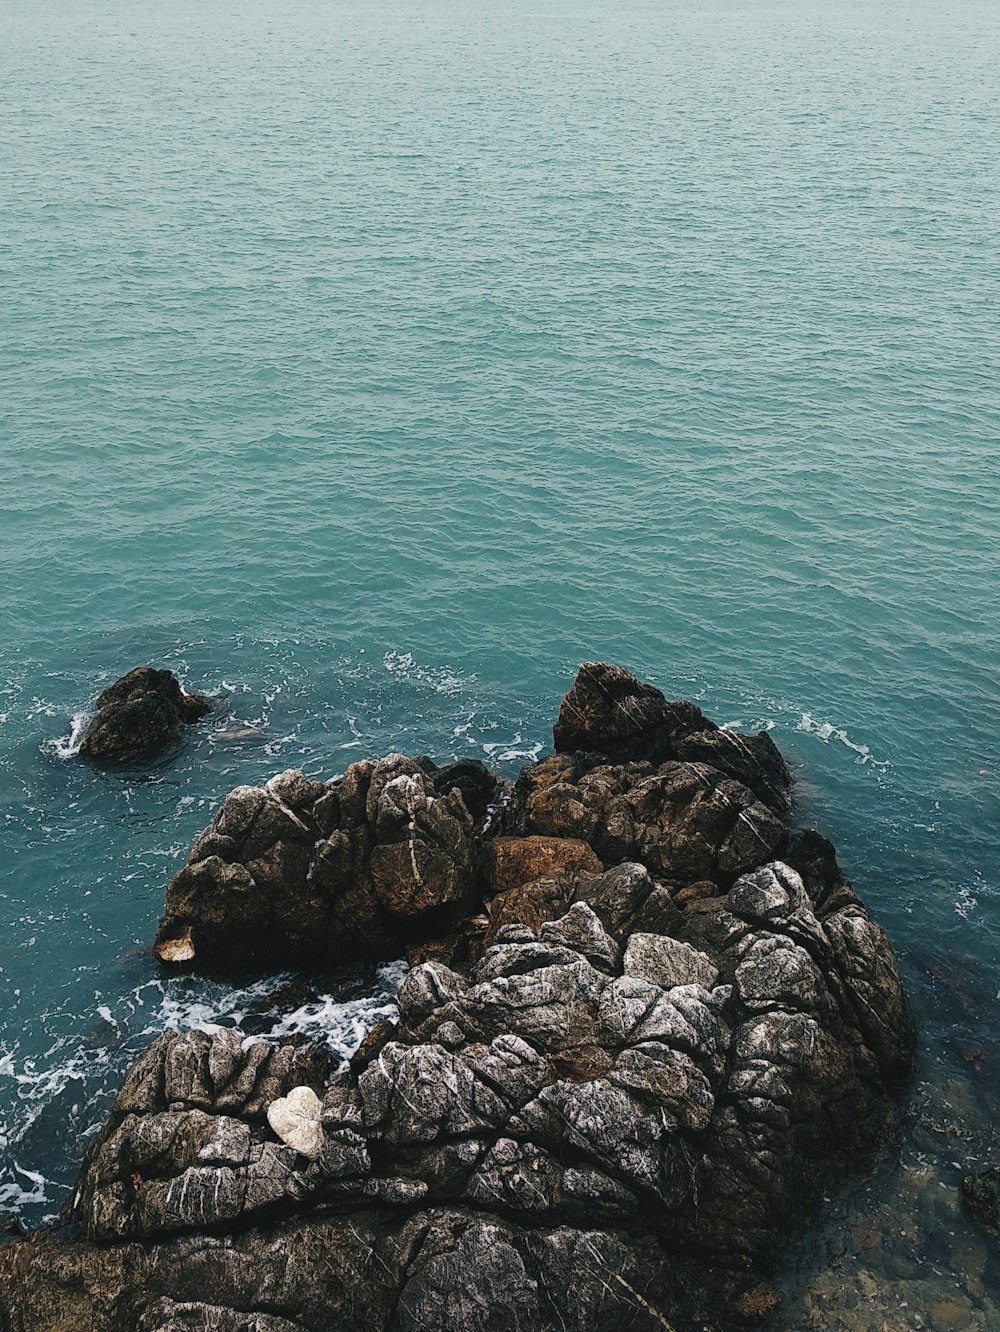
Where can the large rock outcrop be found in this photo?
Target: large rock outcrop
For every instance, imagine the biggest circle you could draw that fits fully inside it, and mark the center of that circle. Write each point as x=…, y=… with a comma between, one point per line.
x=140, y=715
x=315, y=873
x=663, y=1041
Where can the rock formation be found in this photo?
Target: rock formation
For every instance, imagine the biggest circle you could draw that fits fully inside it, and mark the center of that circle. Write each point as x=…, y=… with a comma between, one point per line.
x=673, y=1025
x=140, y=714
x=314, y=873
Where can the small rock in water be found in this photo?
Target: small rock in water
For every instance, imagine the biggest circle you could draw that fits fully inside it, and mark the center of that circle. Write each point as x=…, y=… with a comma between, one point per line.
x=295, y=1119
x=973, y=1053
x=140, y=714
x=233, y=734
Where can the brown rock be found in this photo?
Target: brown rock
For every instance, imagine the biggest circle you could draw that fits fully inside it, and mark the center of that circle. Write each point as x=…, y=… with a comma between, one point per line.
x=530, y=904
x=140, y=714
x=511, y=862
x=949, y=1313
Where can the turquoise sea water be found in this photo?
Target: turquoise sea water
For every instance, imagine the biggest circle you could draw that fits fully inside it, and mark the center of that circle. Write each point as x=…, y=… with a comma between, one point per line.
x=375, y=364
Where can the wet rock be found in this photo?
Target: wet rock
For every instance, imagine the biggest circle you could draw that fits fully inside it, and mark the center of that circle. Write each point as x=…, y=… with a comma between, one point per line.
x=321, y=872
x=140, y=714
x=949, y=1313
x=981, y=1198
x=475, y=783
x=608, y=711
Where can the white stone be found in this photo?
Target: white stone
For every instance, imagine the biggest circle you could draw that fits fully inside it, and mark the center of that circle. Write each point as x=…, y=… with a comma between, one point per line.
x=180, y=949
x=295, y=1118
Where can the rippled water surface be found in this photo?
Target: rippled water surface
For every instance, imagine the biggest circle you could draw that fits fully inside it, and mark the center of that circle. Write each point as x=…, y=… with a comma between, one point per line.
x=375, y=364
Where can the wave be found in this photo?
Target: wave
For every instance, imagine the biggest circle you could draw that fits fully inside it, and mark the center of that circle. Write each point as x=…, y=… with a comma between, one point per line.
x=341, y=1024
x=85, y=1070
x=827, y=731
x=68, y=746
x=507, y=751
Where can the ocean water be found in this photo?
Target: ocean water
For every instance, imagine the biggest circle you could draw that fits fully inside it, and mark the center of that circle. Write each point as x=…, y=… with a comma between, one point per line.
x=376, y=364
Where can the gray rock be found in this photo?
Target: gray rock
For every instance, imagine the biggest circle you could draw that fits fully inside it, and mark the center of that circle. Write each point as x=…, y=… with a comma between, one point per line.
x=668, y=962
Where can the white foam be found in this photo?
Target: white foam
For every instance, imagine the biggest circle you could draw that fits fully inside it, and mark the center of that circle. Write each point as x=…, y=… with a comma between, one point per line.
x=507, y=751
x=341, y=1024
x=14, y=1195
x=68, y=746
x=968, y=895
x=965, y=902
x=442, y=679
x=174, y=1004
x=826, y=731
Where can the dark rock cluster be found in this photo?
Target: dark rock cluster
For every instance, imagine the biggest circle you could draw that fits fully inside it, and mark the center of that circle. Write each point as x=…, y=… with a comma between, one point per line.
x=317, y=873
x=139, y=715
x=662, y=1026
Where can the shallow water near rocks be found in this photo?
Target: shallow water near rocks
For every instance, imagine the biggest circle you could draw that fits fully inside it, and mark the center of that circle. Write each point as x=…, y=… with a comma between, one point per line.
x=373, y=367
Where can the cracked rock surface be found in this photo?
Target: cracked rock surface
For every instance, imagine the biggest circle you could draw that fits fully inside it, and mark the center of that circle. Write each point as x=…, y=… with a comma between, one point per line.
x=650, y=1059
x=315, y=873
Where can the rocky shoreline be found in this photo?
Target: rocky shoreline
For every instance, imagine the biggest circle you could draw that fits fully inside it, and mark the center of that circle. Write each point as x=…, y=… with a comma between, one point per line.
x=647, y=1022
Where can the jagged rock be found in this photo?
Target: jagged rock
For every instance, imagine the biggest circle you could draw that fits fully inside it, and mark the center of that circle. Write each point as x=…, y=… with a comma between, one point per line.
x=473, y=780
x=599, y=1106
x=530, y=904
x=663, y=1094
x=318, y=872
x=684, y=821
x=512, y=862
x=608, y=711
x=753, y=760
x=139, y=714
x=167, y=1315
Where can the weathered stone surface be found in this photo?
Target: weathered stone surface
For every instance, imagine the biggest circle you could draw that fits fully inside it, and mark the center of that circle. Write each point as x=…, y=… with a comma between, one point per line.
x=659, y=1093
x=318, y=872
x=167, y=1315
x=295, y=1118
x=753, y=760
x=140, y=714
x=684, y=821
x=677, y=1026
x=608, y=711
x=512, y=862
x=981, y=1198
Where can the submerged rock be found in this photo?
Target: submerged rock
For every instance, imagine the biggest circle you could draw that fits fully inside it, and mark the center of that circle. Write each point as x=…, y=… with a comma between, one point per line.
x=140, y=714
x=981, y=1198
x=672, y=1028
